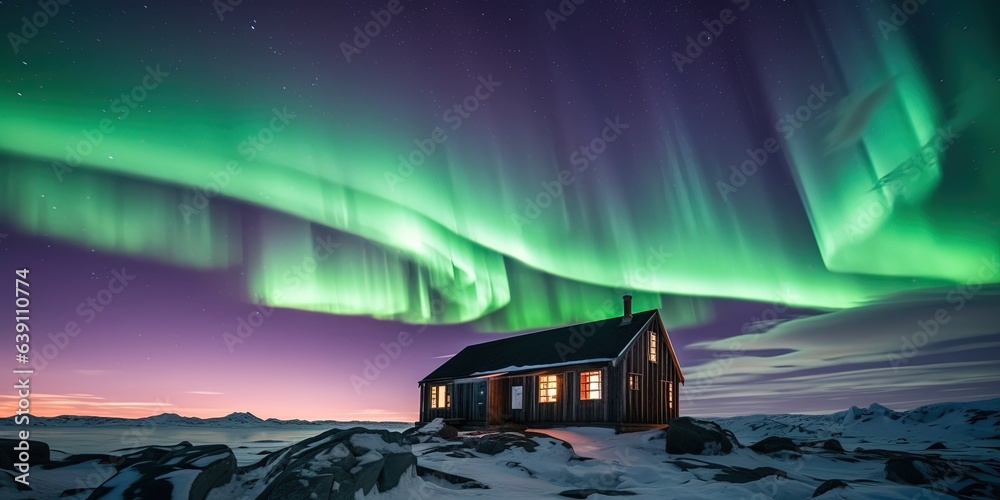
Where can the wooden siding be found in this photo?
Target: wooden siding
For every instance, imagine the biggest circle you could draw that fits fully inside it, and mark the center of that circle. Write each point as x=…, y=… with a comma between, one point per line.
x=468, y=401
x=487, y=401
x=649, y=404
x=568, y=407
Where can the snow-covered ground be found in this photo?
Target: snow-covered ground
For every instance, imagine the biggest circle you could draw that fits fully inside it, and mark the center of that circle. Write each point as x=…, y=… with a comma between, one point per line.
x=955, y=445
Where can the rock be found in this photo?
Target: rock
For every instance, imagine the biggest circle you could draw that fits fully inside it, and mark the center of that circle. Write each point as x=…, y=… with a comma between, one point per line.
x=447, y=432
x=585, y=493
x=829, y=485
x=38, y=451
x=832, y=445
x=914, y=470
x=132, y=456
x=828, y=445
x=491, y=444
x=367, y=471
x=338, y=464
x=434, y=428
x=937, y=446
x=318, y=486
x=774, y=444
x=394, y=467
x=344, y=487
x=321, y=473
x=196, y=469
x=5, y=462
x=7, y=482
x=744, y=475
x=698, y=437
x=464, y=482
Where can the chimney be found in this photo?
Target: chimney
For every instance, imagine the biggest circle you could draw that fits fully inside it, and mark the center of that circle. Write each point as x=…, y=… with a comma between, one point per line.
x=627, y=317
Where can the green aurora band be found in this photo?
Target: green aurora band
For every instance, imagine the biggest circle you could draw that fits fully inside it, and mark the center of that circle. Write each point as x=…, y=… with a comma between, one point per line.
x=428, y=247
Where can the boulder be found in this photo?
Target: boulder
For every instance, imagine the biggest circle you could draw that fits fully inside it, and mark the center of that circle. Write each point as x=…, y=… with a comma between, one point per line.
x=337, y=464
x=774, y=444
x=38, y=452
x=464, y=482
x=316, y=475
x=829, y=485
x=8, y=483
x=914, y=470
x=318, y=486
x=492, y=444
x=367, y=471
x=195, y=469
x=828, y=445
x=743, y=475
x=832, y=445
x=432, y=429
x=395, y=465
x=687, y=435
x=586, y=492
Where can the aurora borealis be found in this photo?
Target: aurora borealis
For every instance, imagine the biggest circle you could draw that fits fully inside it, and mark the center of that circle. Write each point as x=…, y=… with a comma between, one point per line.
x=480, y=169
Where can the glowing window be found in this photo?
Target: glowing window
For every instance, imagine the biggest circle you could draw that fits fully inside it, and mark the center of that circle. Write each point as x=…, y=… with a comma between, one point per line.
x=440, y=397
x=634, y=381
x=652, y=346
x=590, y=385
x=548, y=388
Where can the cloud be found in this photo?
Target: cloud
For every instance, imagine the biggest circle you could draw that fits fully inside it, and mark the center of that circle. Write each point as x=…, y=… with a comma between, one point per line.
x=205, y=393
x=902, y=350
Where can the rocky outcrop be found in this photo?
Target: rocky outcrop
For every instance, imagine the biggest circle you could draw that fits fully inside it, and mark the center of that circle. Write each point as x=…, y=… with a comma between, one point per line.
x=743, y=475
x=336, y=464
x=191, y=472
x=430, y=430
x=38, y=452
x=585, y=493
x=774, y=444
x=828, y=485
x=687, y=435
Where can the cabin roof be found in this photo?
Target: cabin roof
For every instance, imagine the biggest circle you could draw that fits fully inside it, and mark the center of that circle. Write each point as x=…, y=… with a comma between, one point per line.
x=547, y=348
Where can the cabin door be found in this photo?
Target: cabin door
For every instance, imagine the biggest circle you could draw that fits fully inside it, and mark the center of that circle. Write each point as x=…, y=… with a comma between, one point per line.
x=479, y=397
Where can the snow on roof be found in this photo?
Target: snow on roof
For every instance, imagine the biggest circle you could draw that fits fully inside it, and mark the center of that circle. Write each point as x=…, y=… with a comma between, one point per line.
x=540, y=367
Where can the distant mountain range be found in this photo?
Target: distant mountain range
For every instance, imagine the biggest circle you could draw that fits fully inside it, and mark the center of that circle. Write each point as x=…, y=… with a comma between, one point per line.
x=236, y=419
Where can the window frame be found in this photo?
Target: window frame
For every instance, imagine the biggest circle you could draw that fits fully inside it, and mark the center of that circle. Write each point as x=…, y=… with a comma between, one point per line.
x=548, y=388
x=635, y=381
x=653, y=346
x=440, y=392
x=587, y=385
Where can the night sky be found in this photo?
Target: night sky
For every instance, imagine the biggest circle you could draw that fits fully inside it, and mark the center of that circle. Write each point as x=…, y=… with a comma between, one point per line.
x=239, y=208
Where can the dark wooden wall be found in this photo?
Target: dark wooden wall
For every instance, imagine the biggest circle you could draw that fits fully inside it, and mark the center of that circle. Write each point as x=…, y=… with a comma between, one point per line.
x=568, y=408
x=649, y=404
x=488, y=401
x=468, y=401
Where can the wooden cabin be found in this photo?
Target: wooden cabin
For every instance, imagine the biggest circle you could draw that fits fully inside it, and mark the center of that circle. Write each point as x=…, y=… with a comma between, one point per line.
x=618, y=372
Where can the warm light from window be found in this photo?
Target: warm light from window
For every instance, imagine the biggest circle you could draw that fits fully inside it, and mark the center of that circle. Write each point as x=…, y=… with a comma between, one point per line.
x=548, y=388
x=590, y=385
x=652, y=346
x=439, y=396
x=633, y=381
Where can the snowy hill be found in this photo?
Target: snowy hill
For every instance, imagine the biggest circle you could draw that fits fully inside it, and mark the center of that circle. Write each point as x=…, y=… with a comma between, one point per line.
x=944, y=422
